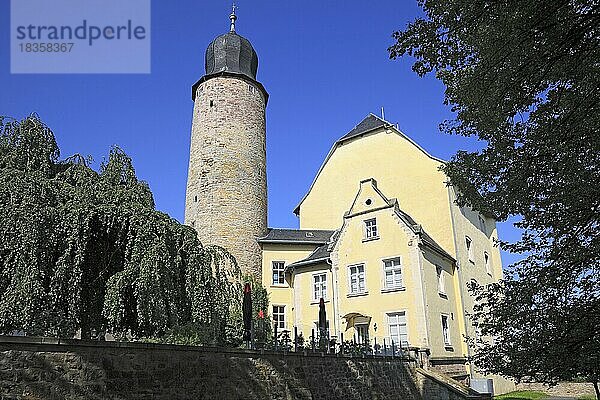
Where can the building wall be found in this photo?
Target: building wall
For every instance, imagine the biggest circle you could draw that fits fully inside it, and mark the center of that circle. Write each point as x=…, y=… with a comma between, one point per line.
x=306, y=307
x=282, y=295
x=467, y=224
x=419, y=297
x=402, y=171
x=393, y=242
x=226, y=196
x=439, y=304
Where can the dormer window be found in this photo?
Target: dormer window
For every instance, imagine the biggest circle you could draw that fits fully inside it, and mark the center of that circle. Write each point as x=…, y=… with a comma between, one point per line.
x=371, y=229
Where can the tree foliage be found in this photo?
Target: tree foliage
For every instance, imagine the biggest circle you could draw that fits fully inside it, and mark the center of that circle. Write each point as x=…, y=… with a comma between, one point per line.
x=523, y=77
x=86, y=250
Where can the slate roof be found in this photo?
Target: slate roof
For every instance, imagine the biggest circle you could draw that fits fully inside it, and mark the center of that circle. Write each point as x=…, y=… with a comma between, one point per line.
x=232, y=53
x=298, y=236
x=369, y=123
x=320, y=254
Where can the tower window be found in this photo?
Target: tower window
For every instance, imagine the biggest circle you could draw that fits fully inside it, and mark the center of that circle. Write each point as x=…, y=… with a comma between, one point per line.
x=195, y=199
x=212, y=103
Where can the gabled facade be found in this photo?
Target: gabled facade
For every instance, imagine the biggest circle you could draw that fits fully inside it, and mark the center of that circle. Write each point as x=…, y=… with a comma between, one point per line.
x=394, y=252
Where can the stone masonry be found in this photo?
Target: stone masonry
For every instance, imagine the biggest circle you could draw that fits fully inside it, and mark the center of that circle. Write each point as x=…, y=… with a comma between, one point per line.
x=52, y=369
x=226, y=197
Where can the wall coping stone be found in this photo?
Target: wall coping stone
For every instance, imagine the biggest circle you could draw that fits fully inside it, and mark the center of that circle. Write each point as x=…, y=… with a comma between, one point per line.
x=453, y=385
x=51, y=344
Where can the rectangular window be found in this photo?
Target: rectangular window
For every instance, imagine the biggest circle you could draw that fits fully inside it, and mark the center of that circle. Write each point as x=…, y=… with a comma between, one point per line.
x=278, y=275
x=445, y=330
x=397, y=329
x=469, y=244
x=441, y=280
x=319, y=287
x=488, y=267
x=279, y=317
x=371, y=229
x=393, y=273
x=362, y=333
x=357, y=278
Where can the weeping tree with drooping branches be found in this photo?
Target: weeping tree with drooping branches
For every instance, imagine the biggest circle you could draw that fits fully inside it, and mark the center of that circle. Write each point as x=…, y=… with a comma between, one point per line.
x=82, y=250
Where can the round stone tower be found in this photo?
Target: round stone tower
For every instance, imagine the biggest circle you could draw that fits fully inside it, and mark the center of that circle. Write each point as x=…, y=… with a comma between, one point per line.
x=226, y=196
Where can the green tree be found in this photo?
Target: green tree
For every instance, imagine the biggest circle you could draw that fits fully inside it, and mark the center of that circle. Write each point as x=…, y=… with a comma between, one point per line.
x=86, y=250
x=523, y=77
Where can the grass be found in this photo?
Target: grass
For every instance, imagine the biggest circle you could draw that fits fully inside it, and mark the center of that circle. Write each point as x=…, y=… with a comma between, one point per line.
x=526, y=395
x=522, y=395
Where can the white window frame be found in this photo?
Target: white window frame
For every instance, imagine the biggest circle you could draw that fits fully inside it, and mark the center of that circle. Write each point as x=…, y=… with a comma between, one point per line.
x=371, y=231
x=446, y=330
x=441, y=280
x=362, y=333
x=396, y=268
x=486, y=260
x=323, y=289
x=469, y=245
x=364, y=279
x=278, y=321
x=403, y=343
x=280, y=273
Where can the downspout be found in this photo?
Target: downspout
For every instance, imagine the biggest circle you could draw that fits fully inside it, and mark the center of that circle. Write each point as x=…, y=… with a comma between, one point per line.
x=423, y=291
x=460, y=282
x=335, y=299
x=295, y=298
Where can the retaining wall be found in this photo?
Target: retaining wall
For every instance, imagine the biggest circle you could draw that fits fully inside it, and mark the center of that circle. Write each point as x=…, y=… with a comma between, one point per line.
x=42, y=368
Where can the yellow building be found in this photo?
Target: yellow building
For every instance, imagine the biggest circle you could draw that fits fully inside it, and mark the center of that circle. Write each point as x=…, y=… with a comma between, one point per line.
x=383, y=243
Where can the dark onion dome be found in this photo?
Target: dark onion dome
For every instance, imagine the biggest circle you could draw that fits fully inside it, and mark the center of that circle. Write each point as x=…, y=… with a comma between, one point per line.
x=231, y=53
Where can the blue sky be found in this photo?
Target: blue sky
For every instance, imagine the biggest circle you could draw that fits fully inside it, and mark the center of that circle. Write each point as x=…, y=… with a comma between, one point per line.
x=324, y=64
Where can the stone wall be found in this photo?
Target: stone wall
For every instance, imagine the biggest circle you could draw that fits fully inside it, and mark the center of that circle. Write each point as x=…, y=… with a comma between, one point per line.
x=50, y=369
x=455, y=367
x=226, y=195
x=563, y=389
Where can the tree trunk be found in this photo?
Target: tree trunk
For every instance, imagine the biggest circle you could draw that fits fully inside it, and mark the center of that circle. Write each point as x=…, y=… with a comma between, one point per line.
x=597, y=389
